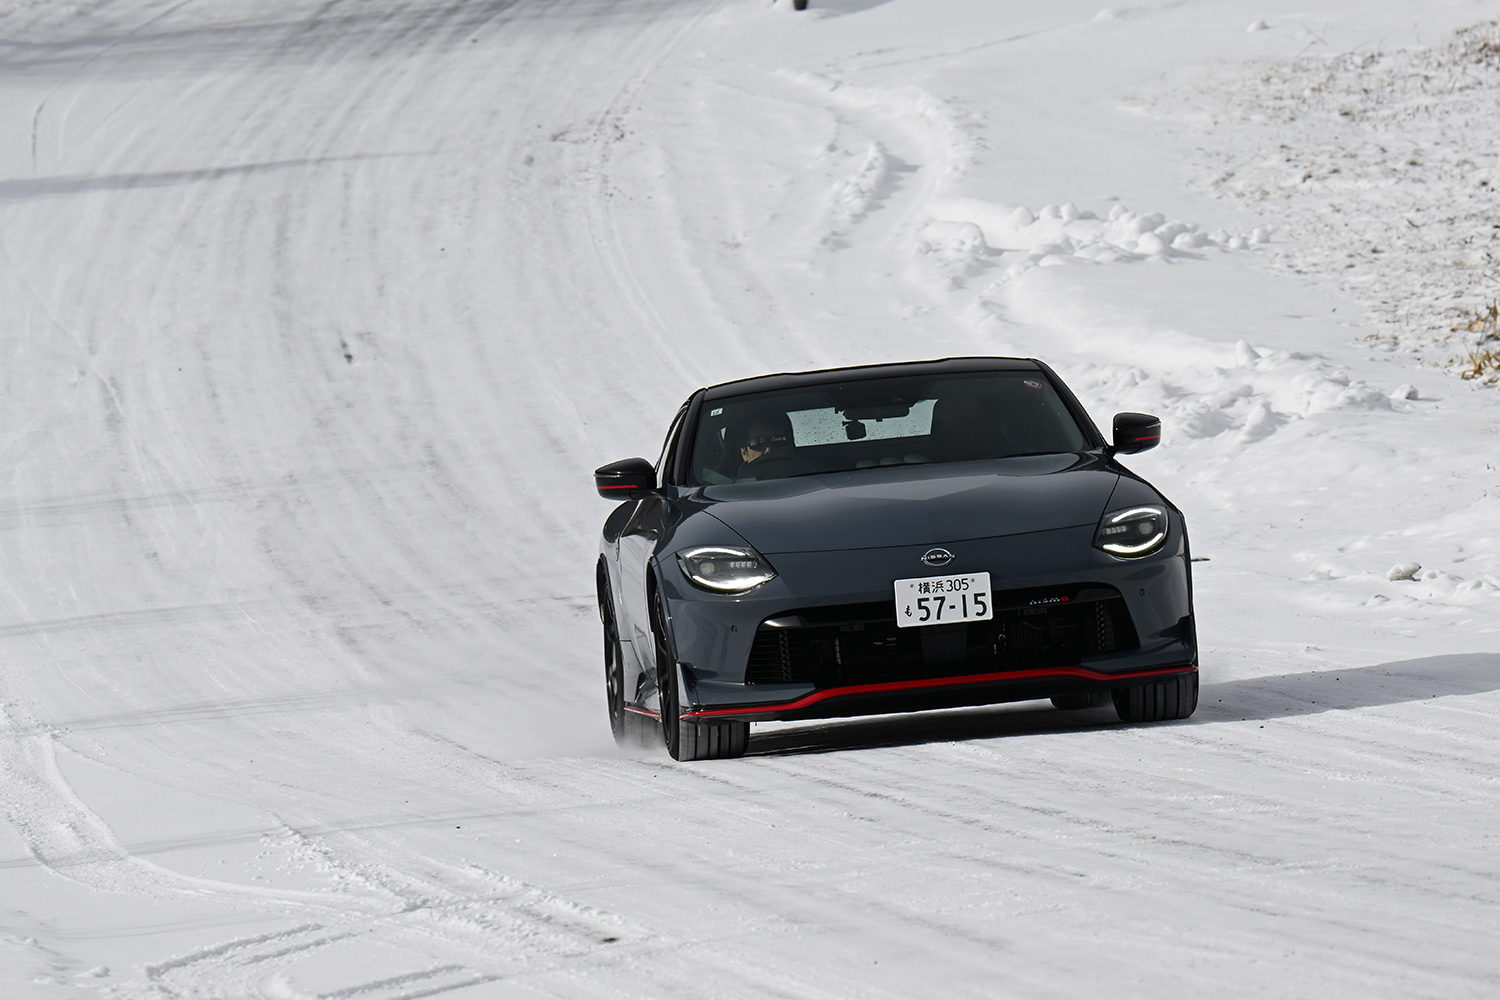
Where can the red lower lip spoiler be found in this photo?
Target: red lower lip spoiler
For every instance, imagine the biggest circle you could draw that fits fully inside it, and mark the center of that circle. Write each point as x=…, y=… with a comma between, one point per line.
x=1082, y=673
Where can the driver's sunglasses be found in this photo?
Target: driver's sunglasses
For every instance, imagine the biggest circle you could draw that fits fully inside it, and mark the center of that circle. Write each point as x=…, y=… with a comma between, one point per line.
x=764, y=442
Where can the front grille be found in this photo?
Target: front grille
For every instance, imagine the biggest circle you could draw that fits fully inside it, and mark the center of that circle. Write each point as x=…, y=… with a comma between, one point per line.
x=861, y=644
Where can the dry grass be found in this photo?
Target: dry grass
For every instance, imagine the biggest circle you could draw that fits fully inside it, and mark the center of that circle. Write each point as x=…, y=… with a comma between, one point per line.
x=1486, y=323
x=1483, y=365
x=1484, y=362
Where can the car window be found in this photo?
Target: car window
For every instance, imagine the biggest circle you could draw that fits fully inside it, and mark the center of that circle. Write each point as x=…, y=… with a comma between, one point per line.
x=826, y=425
x=881, y=422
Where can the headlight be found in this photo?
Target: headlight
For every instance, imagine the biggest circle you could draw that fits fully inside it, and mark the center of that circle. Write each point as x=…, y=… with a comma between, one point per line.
x=725, y=569
x=1132, y=533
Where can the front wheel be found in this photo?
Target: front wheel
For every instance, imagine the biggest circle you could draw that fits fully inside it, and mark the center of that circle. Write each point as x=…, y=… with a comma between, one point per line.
x=688, y=740
x=1173, y=698
x=614, y=674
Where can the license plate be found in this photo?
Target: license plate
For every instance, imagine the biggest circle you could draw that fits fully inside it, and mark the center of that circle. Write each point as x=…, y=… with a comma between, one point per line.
x=943, y=600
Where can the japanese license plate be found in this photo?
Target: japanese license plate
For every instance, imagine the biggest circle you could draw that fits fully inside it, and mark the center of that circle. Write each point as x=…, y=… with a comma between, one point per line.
x=943, y=600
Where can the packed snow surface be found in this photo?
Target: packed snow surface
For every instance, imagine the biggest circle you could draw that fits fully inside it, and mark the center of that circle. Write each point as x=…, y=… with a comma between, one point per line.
x=319, y=314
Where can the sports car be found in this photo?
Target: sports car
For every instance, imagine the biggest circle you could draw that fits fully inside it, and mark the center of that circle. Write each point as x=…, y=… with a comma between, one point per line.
x=889, y=538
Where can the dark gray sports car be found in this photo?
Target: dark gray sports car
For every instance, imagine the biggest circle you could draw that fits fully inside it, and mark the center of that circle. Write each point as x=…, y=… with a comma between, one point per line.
x=887, y=539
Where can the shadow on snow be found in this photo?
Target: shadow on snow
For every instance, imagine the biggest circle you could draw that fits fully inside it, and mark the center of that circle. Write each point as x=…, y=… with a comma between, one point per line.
x=1277, y=696
x=55, y=187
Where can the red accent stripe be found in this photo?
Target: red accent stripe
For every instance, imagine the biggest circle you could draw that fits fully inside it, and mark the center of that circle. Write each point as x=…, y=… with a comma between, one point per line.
x=644, y=711
x=931, y=682
x=626, y=486
x=1150, y=437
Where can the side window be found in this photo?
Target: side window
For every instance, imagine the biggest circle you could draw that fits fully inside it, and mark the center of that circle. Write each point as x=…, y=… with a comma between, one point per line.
x=669, y=446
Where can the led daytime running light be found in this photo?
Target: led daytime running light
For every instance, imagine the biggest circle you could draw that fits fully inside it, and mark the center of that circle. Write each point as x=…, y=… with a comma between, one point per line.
x=1132, y=533
x=725, y=569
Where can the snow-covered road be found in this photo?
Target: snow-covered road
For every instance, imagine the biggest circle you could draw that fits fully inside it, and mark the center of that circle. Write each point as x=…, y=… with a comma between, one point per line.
x=318, y=315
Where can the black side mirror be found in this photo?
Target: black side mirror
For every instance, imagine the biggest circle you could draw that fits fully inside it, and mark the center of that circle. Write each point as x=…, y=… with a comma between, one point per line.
x=628, y=480
x=1136, y=432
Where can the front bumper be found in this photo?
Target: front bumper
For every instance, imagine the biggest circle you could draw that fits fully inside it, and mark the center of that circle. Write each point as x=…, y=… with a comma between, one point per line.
x=820, y=640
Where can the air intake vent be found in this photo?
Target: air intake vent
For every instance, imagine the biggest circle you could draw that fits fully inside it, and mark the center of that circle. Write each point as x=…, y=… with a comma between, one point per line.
x=861, y=644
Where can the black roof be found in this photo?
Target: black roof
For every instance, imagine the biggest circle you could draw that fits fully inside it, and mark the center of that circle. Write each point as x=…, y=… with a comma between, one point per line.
x=794, y=380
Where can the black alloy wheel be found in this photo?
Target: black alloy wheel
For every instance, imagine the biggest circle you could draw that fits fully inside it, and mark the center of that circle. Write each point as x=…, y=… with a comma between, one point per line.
x=614, y=668
x=614, y=678
x=666, y=680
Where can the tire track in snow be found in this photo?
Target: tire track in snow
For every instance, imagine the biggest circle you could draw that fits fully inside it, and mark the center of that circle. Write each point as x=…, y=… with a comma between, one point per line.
x=879, y=159
x=70, y=840
x=256, y=331
x=496, y=927
x=1081, y=833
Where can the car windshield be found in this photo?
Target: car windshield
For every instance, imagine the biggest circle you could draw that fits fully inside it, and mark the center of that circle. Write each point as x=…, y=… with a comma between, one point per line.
x=870, y=423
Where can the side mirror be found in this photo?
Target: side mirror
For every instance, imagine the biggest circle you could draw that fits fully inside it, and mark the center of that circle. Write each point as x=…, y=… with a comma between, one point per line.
x=627, y=480
x=1136, y=432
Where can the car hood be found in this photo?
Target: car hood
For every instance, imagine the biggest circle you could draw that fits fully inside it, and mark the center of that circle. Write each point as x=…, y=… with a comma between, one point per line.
x=914, y=505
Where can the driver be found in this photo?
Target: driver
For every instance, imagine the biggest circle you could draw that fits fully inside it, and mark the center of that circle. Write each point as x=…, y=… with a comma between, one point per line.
x=768, y=436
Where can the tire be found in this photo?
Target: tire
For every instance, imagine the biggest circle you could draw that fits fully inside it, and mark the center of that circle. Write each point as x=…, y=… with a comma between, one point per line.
x=614, y=674
x=689, y=740
x=799, y=4
x=1159, y=701
x=1081, y=700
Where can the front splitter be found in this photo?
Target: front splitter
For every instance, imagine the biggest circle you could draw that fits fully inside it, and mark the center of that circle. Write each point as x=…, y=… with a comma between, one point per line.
x=935, y=692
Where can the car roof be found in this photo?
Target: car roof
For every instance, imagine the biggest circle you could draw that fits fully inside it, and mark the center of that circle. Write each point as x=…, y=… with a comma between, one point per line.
x=822, y=376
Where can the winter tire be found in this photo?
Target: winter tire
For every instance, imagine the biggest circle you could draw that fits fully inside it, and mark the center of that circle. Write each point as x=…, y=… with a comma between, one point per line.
x=1173, y=698
x=614, y=668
